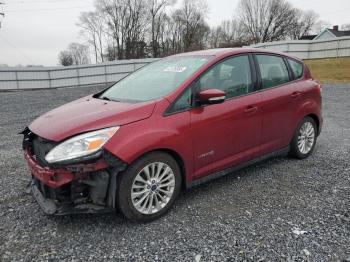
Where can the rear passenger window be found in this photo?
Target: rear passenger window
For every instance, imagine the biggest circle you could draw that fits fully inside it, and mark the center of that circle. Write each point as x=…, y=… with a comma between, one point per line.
x=297, y=68
x=273, y=70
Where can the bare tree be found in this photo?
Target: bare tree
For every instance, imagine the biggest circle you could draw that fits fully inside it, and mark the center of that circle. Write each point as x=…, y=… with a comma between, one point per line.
x=125, y=29
x=65, y=58
x=230, y=33
x=345, y=27
x=127, y=23
x=1, y=13
x=266, y=20
x=93, y=29
x=320, y=26
x=115, y=14
x=80, y=53
x=194, y=29
x=135, y=35
x=304, y=24
x=215, y=37
x=164, y=35
x=158, y=20
x=174, y=37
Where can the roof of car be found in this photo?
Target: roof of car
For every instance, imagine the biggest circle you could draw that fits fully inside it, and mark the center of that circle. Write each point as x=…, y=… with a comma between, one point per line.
x=212, y=52
x=230, y=51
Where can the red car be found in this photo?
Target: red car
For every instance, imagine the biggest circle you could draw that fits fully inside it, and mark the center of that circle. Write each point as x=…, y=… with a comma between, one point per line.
x=171, y=125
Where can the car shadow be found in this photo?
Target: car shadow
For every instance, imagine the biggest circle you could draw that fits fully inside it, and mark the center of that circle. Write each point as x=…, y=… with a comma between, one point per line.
x=186, y=198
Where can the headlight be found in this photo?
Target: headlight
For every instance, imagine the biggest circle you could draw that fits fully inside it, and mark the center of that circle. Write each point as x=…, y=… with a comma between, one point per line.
x=81, y=145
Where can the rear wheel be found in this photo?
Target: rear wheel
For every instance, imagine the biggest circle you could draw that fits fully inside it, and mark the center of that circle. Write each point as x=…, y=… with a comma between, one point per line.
x=149, y=187
x=304, y=139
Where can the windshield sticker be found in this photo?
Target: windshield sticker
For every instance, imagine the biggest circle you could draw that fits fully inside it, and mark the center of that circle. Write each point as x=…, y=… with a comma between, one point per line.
x=175, y=69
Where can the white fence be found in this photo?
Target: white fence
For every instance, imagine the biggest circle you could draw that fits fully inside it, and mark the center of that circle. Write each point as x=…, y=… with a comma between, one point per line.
x=311, y=49
x=12, y=78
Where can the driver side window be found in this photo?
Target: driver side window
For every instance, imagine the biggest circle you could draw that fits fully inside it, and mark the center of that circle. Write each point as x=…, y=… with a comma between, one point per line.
x=233, y=76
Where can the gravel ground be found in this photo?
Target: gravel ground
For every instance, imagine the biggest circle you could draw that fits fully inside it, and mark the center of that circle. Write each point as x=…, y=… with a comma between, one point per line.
x=282, y=209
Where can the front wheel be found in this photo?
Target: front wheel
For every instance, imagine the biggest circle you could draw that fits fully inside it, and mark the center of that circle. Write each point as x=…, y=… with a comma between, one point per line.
x=149, y=187
x=304, y=139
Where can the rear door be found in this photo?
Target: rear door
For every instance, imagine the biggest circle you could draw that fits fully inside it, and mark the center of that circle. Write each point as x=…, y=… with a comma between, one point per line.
x=280, y=96
x=229, y=133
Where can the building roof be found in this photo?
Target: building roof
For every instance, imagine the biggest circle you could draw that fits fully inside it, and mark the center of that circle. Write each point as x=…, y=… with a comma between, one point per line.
x=329, y=32
x=332, y=33
x=307, y=37
x=338, y=33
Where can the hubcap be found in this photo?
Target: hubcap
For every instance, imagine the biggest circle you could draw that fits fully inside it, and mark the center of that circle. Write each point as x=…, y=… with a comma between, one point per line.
x=306, y=138
x=153, y=188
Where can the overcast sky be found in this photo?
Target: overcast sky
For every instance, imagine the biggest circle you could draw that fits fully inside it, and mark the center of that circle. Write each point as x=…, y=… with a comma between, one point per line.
x=35, y=31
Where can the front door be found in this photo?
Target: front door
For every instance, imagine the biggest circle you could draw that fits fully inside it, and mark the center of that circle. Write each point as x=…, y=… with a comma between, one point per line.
x=229, y=133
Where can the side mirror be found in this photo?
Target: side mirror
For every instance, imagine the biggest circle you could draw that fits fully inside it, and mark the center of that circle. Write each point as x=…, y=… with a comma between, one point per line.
x=211, y=96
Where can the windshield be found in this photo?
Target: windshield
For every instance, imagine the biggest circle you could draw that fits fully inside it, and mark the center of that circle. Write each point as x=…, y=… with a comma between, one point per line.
x=155, y=80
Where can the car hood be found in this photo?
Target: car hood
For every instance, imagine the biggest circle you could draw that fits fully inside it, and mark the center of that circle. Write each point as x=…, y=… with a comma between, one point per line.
x=88, y=114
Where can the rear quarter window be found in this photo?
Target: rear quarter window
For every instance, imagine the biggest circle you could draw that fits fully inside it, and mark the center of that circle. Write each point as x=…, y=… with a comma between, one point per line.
x=297, y=68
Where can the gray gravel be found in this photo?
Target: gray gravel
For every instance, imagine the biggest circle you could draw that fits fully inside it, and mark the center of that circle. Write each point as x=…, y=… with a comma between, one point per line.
x=282, y=209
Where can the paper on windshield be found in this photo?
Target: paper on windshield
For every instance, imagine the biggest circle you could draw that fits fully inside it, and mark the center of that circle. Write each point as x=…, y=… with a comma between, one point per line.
x=175, y=69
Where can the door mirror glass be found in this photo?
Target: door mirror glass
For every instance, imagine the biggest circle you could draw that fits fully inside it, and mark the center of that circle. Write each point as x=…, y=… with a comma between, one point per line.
x=211, y=96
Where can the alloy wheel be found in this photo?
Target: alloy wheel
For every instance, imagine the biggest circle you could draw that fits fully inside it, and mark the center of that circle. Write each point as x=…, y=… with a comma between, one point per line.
x=306, y=138
x=153, y=188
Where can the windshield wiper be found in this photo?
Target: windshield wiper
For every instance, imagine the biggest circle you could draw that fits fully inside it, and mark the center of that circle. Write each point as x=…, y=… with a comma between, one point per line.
x=108, y=99
x=105, y=98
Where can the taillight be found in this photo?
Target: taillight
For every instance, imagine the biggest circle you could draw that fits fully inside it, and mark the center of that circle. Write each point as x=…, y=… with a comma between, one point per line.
x=319, y=85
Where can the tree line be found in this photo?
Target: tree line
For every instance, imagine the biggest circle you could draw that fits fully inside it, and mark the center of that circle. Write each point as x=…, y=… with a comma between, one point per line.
x=131, y=29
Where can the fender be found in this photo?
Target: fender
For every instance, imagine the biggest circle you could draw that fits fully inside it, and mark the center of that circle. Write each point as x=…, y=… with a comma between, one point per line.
x=170, y=133
x=308, y=107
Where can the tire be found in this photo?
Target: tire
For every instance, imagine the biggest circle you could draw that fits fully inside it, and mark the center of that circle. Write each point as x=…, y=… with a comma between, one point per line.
x=305, y=131
x=135, y=187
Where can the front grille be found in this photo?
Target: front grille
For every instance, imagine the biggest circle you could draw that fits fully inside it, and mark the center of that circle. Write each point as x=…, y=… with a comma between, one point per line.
x=37, y=146
x=62, y=194
x=41, y=147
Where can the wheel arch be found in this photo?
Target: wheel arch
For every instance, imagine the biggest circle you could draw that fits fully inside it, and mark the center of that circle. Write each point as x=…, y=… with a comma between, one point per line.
x=315, y=117
x=176, y=156
x=317, y=121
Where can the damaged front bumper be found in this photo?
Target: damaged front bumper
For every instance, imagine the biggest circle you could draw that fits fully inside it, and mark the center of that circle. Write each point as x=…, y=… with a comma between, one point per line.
x=86, y=187
x=54, y=206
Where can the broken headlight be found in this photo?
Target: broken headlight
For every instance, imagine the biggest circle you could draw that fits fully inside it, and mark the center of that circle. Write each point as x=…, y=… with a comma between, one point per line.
x=81, y=145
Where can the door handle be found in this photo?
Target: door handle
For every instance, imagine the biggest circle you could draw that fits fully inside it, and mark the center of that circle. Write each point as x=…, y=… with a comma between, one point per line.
x=295, y=94
x=251, y=109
